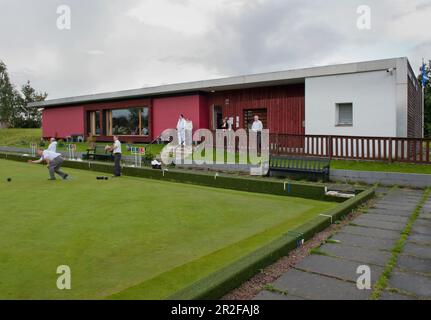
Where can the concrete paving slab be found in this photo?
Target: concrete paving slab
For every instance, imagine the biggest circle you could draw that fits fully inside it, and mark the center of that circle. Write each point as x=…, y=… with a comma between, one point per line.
x=414, y=264
x=364, y=242
x=421, y=230
x=390, y=212
x=420, y=239
x=423, y=223
x=364, y=222
x=273, y=296
x=336, y=268
x=386, y=295
x=401, y=205
x=416, y=250
x=317, y=287
x=425, y=215
x=394, y=208
x=411, y=283
x=372, y=232
x=361, y=255
x=386, y=217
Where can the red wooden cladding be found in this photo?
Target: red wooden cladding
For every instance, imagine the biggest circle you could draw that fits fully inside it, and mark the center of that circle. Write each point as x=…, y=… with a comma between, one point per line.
x=285, y=106
x=353, y=148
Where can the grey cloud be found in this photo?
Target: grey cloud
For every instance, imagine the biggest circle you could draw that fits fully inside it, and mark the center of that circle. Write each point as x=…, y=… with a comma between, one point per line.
x=107, y=50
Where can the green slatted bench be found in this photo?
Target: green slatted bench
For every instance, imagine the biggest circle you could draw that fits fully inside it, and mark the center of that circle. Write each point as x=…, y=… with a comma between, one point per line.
x=98, y=153
x=301, y=166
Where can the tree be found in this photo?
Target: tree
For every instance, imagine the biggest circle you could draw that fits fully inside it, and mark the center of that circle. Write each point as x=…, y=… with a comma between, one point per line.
x=25, y=117
x=14, y=110
x=427, y=107
x=8, y=97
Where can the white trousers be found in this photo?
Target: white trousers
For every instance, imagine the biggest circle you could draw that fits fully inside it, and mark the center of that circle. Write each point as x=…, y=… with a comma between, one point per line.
x=181, y=137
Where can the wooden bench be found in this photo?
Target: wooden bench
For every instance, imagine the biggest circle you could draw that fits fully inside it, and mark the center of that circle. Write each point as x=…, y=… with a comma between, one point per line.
x=300, y=166
x=98, y=153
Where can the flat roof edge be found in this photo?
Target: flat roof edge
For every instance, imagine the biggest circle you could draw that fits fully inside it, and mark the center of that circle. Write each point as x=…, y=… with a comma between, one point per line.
x=229, y=83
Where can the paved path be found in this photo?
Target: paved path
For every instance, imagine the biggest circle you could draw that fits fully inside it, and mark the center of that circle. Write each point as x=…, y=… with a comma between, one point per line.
x=368, y=240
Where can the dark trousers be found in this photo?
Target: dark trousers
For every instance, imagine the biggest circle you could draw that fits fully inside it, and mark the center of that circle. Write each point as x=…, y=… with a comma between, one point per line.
x=117, y=164
x=259, y=143
x=55, y=167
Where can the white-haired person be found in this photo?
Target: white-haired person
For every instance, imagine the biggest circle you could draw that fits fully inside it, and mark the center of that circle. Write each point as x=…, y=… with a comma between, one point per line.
x=116, y=150
x=53, y=161
x=52, y=145
x=181, y=128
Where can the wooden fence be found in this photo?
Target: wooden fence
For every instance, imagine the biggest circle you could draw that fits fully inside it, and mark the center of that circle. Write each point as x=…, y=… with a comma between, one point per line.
x=353, y=148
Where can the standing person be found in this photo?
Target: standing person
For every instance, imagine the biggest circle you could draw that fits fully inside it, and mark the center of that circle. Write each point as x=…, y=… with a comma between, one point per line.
x=181, y=127
x=224, y=125
x=53, y=145
x=116, y=150
x=189, y=132
x=258, y=128
x=54, y=162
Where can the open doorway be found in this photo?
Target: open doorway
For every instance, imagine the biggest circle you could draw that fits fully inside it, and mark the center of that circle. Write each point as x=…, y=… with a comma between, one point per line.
x=217, y=117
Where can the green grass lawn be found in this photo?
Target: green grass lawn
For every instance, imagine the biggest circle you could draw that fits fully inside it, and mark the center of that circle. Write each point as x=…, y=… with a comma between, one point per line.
x=129, y=237
x=381, y=166
x=17, y=137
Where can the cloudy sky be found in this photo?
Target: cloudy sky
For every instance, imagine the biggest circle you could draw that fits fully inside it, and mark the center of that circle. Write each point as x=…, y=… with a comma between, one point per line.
x=126, y=44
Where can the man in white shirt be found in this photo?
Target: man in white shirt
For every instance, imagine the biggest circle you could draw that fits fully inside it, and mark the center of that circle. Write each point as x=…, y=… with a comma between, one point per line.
x=53, y=145
x=116, y=150
x=189, y=133
x=53, y=161
x=257, y=125
x=181, y=128
x=258, y=128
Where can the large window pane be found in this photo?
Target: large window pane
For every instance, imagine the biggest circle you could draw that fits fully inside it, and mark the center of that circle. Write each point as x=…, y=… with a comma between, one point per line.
x=97, y=122
x=145, y=130
x=125, y=122
x=130, y=122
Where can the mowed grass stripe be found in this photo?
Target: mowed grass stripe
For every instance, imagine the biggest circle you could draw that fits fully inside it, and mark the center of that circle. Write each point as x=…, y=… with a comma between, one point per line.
x=118, y=234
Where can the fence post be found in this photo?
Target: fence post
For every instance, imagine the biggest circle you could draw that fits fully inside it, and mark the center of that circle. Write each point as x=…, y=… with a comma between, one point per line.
x=329, y=144
x=390, y=150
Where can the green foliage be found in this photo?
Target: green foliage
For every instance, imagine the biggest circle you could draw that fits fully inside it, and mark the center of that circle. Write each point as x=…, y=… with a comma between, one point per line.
x=427, y=92
x=14, y=112
x=8, y=96
x=25, y=117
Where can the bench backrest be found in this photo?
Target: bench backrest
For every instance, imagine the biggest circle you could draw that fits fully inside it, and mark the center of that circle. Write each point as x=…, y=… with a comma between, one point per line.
x=100, y=150
x=312, y=164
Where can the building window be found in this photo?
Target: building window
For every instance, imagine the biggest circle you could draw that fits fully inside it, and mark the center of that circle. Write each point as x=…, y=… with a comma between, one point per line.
x=344, y=114
x=93, y=123
x=128, y=122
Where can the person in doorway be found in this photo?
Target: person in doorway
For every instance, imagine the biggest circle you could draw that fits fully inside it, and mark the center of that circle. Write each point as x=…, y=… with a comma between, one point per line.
x=52, y=145
x=181, y=128
x=224, y=125
x=53, y=161
x=258, y=128
x=116, y=150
